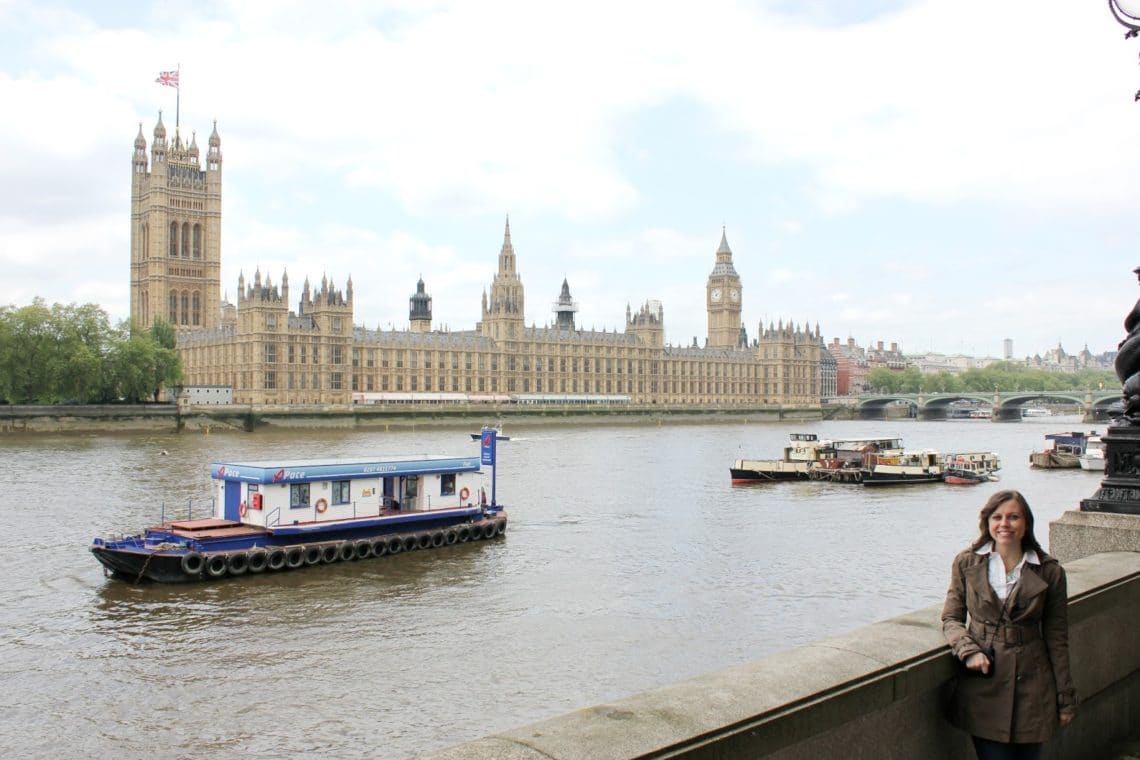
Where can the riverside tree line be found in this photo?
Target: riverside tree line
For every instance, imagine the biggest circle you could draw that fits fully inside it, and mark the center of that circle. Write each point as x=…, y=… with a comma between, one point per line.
x=999, y=376
x=72, y=354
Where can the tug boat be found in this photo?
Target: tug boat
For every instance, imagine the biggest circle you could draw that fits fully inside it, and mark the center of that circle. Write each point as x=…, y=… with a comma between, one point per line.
x=498, y=434
x=970, y=468
x=806, y=457
x=1065, y=451
x=276, y=516
x=903, y=468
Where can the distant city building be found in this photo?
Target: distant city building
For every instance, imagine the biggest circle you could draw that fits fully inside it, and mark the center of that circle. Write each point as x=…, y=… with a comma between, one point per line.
x=269, y=354
x=891, y=358
x=1007, y=349
x=1058, y=360
x=828, y=373
x=955, y=364
x=851, y=367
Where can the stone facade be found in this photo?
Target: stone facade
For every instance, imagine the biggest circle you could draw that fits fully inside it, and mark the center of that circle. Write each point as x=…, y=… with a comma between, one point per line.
x=176, y=222
x=269, y=354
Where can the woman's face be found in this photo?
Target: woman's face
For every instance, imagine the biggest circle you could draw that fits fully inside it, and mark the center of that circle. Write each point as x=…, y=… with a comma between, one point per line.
x=1007, y=524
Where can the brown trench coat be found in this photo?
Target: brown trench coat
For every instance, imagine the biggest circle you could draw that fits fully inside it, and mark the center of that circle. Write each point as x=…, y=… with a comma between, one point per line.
x=1030, y=679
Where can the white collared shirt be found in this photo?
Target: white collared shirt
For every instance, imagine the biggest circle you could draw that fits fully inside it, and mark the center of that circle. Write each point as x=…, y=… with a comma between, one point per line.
x=1000, y=581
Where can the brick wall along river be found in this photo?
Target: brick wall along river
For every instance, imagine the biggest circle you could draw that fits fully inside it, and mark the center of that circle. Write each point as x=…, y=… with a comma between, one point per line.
x=630, y=562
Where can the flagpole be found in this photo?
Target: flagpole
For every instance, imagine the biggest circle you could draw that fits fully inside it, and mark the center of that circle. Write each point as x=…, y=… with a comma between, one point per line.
x=177, y=97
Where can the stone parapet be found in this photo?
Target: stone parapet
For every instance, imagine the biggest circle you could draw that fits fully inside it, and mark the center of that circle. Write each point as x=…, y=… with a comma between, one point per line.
x=1081, y=534
x=876, y=692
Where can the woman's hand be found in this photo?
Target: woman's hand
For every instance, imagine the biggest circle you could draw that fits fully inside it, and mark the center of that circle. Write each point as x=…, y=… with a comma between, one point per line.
x=1066, y=715
x=978, y=661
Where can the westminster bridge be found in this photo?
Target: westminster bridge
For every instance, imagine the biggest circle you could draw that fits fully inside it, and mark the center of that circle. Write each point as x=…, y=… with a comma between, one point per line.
x=1005, y=406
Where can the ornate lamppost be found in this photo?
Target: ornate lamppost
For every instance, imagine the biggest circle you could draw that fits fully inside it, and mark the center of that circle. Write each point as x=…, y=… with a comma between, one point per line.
x=1120, y=489
x=1127, y=12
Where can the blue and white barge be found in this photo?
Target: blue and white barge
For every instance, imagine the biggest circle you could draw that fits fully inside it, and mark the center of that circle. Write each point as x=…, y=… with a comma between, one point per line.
x=276, y=516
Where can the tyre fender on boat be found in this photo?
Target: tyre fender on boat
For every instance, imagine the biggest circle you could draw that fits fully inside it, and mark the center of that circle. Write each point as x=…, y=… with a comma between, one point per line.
x=489, y=530
x=312, y=555
x=500, y=527
x=346, y=551
x=462, y=534
x=237, y=563
x=379, y=547
x=192, y=563
x=423, y=540
x=216, y=566
x=395, y=545
x=438, y=539
x=294, y=557
x=410, y=543
x=362, y=549
x=330, y=553
x=464, y=493
x=257, y=560
x=321, y=505
x=450, y=536
x=276, y=559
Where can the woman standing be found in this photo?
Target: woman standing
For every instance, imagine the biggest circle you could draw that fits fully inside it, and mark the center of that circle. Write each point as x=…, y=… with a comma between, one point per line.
x=1006, y=620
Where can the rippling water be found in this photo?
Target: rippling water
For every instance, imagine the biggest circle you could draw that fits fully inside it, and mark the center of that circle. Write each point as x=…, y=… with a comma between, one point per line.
x=630, y=562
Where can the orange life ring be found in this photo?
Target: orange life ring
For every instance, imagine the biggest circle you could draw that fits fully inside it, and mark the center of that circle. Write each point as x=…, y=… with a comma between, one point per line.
x=321, y=505
x=464, y=493
x=243, y=509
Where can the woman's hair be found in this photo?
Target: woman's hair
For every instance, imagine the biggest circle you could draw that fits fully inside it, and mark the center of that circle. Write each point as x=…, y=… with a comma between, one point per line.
x=1028, y=541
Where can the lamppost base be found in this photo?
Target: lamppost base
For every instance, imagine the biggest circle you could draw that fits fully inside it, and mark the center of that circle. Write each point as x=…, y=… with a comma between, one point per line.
x=1119, y=492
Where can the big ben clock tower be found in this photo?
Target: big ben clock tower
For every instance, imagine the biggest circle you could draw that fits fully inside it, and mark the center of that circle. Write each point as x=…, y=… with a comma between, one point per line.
x=723, y=295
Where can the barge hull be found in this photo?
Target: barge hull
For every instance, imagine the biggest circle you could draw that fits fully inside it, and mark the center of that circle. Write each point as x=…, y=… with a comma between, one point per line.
x=131, y=560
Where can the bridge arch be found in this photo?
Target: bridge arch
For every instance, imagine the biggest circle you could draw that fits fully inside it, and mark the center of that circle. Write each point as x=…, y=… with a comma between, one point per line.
x=1006, y=405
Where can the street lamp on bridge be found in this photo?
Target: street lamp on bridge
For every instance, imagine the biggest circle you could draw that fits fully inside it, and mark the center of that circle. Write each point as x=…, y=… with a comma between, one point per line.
x=1127, y=12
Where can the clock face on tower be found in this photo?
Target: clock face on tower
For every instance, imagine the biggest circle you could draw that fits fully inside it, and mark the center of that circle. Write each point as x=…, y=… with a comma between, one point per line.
x=734, y=294
x=715, y=294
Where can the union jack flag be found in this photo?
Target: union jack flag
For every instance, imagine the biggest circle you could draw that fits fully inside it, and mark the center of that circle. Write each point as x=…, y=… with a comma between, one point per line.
x=167, y=78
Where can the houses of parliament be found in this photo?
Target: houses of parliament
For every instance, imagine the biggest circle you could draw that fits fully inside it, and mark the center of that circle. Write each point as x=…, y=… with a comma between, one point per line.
x=269, y=352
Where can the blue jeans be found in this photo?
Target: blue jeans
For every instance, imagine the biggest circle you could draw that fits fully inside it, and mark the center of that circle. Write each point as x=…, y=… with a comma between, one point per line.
x=991, y=750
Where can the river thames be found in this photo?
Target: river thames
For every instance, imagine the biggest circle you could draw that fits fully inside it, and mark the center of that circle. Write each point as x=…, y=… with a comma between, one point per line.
x=630, y=562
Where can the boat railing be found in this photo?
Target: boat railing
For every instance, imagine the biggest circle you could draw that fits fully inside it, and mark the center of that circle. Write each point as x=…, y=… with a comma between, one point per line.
x=174, y=516
x=273, y=518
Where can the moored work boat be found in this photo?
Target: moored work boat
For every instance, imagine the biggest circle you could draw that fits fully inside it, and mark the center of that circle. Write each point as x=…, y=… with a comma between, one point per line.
x=1093, y=457
x=903, y=468
x=1065, y=451
x=272, y=516
x=970, y=468
x=807, y=457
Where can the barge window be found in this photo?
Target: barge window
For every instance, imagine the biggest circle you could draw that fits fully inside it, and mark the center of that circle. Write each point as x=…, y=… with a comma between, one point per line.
x=447, y=484
x=299, y=496
x=341, y=492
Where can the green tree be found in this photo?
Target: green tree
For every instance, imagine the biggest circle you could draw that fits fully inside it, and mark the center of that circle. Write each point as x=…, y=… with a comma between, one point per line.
x=27, y=353
x=883, y=380
x=139, y=365
x=163, y=334
x=49, y=355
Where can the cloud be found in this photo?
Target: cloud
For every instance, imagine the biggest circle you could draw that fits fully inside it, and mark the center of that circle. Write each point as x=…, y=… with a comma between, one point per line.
x=376, y=138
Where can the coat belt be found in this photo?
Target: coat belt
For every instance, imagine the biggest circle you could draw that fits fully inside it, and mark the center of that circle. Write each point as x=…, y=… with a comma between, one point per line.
x=1011, y=634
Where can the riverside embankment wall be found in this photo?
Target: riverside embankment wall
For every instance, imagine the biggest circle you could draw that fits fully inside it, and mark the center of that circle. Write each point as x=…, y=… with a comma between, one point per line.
x=168, y=418
x=876, y=692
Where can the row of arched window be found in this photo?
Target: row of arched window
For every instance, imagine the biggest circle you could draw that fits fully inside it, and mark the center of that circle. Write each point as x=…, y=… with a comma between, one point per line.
x=185, y=308
x=185, y=240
